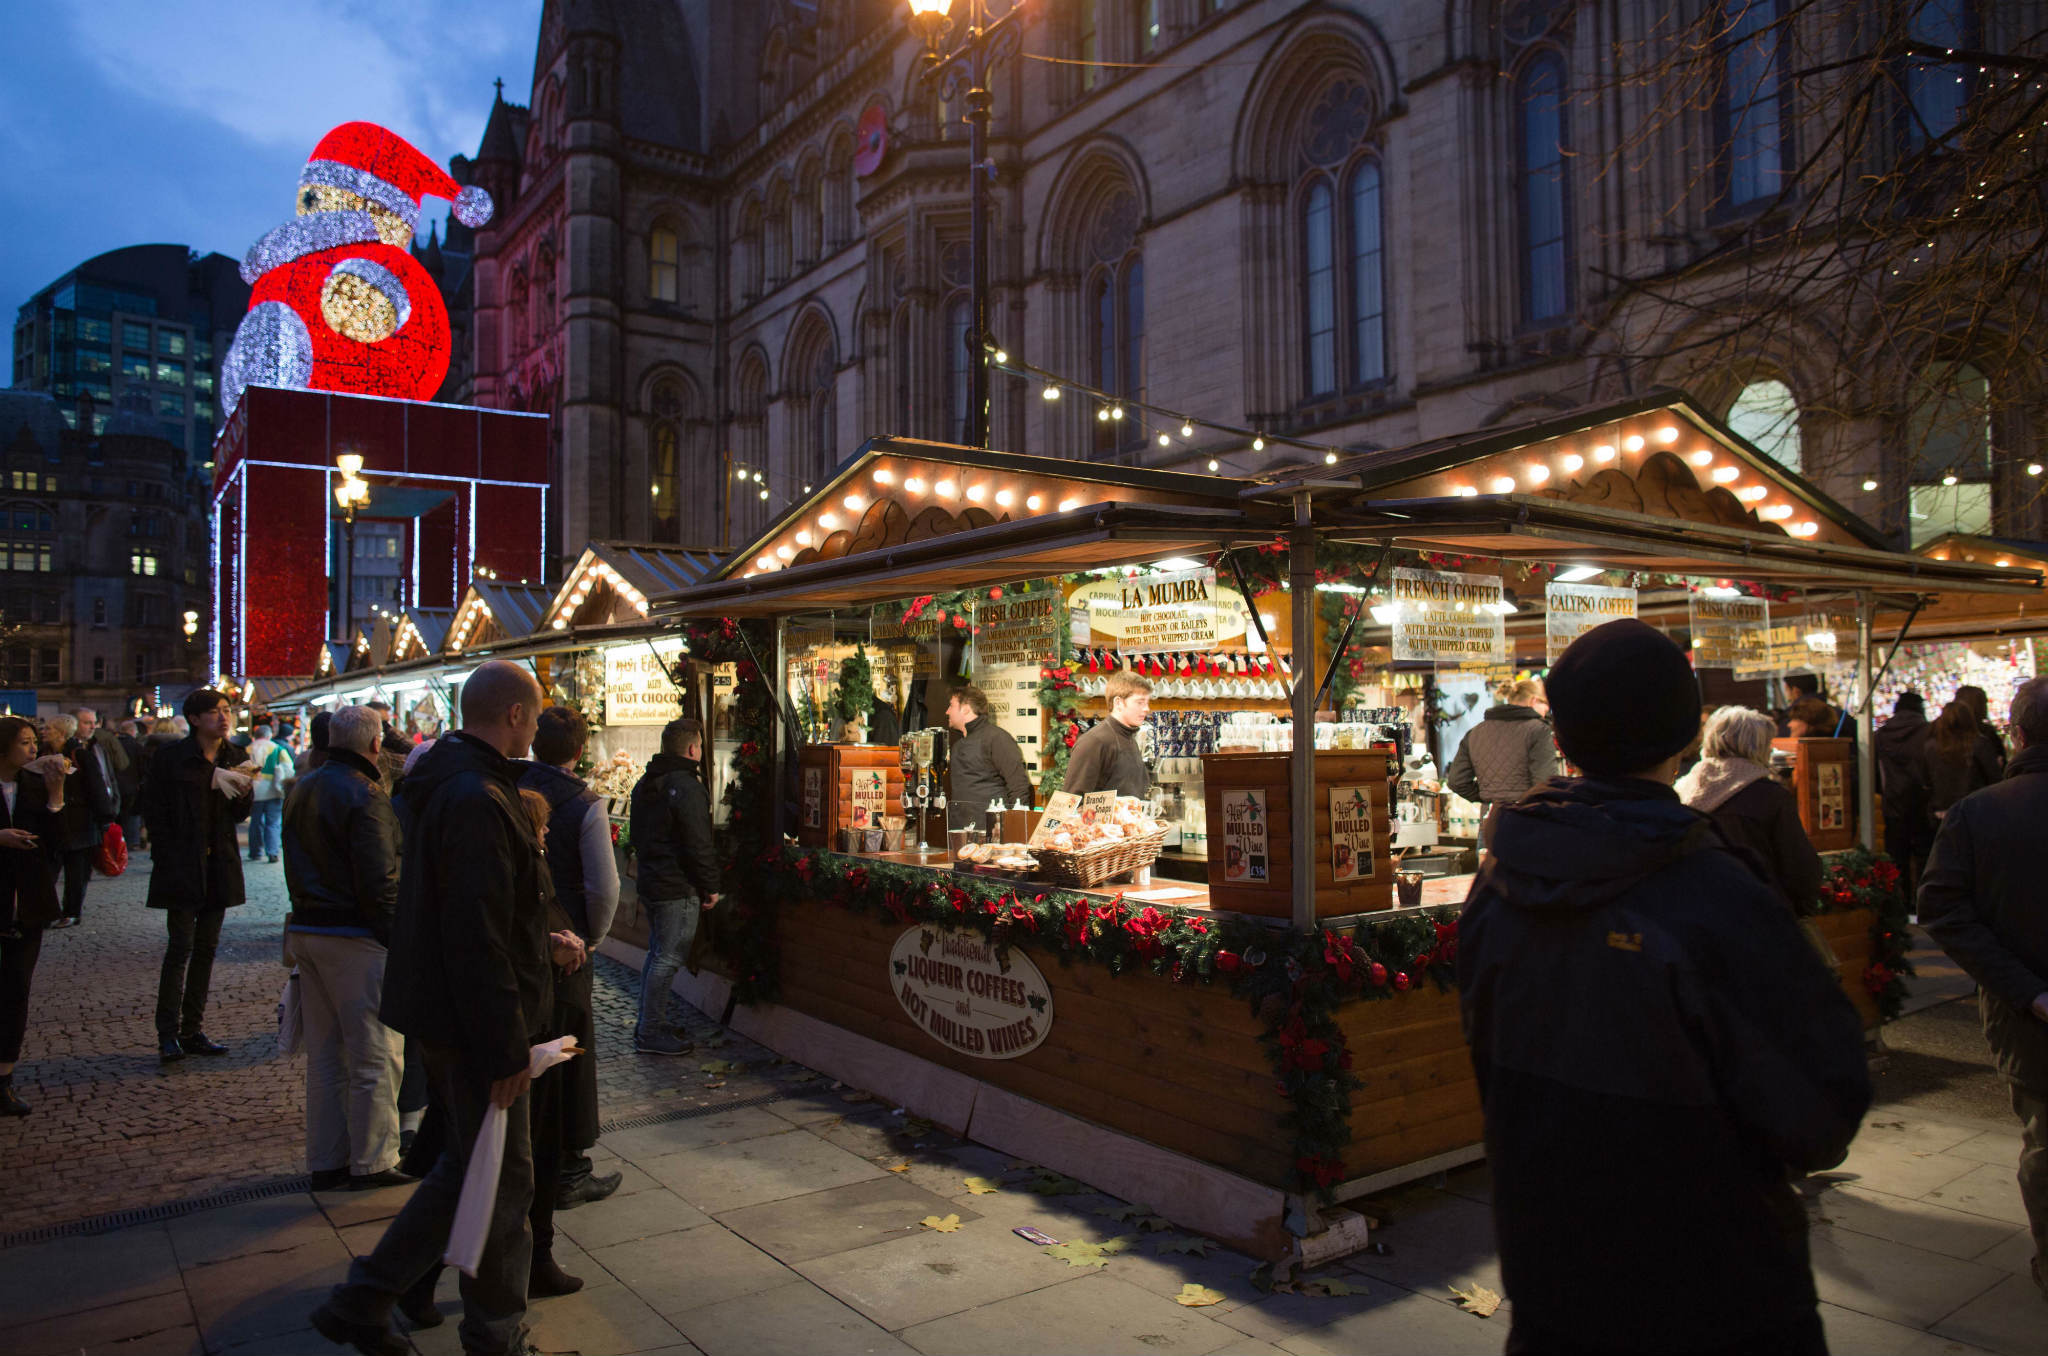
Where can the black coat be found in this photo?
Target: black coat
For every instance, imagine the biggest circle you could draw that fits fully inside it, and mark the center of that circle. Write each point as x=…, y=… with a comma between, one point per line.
x=986, y=763
x=1657, y=1047
x=1763, y=819
x=129, y=777
x=340, y=841
x=193, y=860
x=671, y=827
x=1902, y=778
x=1984, y=895
x=1106, y=758
x=28, y=876
x=90, y=799
x=469, y=969
x=1950, y=778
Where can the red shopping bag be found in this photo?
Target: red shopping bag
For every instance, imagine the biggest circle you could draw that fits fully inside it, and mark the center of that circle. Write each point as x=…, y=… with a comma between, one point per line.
x=112, y=857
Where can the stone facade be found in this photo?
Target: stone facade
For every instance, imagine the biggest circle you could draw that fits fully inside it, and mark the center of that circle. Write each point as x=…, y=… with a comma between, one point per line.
x=1346, y=223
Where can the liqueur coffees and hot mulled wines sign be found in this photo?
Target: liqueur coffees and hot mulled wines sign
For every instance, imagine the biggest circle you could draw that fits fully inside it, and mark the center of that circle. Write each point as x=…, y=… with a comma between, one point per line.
x=969, y=995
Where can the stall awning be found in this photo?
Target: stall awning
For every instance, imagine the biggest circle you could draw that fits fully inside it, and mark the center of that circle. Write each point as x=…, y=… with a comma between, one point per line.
x=1963, y=616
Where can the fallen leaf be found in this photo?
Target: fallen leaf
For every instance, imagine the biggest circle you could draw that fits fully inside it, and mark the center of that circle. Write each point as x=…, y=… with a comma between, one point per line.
x=1121, y=1243
x=1331, y=1287
x=1262, y=1278
x=1198, y=1296
x=900, y=1167
x=714, y=1085
x=1078, y=1254
x=1123, y=1212
x=1193, y=1247
x=981, y=1186
x=804, y=1076
x=1478, y=1300
x=949, y=1225
x=1153, y=1224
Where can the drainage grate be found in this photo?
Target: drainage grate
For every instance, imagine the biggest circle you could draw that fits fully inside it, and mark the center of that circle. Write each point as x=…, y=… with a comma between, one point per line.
x=286, y=1186
x=151, y=1214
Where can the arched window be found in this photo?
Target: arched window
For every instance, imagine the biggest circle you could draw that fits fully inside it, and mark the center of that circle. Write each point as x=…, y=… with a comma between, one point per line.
x=1937, y=92
x=746, y=498
x=838, y=187
x=1117, y=349
x=775, y=230
x=663, y=264
x=1948, y=438
x=665, y=464
x=1767, y=416
x=900, y=358
x=807, y=219
x=1343, y=252
x=824, y=430
x=1750, y=114
x=1541, y=136
x=959, y=319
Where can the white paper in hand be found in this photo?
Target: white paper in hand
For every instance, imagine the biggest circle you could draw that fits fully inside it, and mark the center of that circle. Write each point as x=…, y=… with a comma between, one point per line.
x=231, y=783
x=480, y=1184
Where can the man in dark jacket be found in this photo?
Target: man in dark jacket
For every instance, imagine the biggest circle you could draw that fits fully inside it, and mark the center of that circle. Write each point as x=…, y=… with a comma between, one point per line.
x=91, y=802
x=678, y=876
x=985, y=759
x=1106, y=758
x=191, y=803
x=1984, y=898
x=129, y=779
x=1901, y=744
x=1657, y=1045
x=340, y=842
x=586, y=878
x=1507, y=753
x=470, y=979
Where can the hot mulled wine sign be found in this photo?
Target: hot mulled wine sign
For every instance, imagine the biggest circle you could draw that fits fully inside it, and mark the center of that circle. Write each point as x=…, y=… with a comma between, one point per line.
x=969, y=995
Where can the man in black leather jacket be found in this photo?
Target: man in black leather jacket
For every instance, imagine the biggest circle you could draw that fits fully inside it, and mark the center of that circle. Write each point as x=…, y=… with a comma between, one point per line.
x=340, y=842
x=470, y=978
x=678, y=874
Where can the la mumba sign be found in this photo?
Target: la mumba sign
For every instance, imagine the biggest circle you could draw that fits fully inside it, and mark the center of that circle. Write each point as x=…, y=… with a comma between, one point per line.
x=969, y=995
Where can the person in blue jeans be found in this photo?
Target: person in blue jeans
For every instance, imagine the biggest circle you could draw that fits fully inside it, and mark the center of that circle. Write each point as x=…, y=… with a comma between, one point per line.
x=272, y=764
x=678, y=873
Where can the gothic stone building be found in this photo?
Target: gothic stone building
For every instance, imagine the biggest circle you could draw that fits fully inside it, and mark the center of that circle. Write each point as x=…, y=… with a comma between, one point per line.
x=1363, y=223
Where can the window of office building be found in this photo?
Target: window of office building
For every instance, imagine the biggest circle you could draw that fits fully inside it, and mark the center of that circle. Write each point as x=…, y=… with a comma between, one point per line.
x=170, y=374
x=171, y=343
x=49, y=665
x=135, y=336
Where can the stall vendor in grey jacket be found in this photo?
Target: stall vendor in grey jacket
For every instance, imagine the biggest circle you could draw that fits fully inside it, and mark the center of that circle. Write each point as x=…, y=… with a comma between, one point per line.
x=985, y=761
x=1107, y=758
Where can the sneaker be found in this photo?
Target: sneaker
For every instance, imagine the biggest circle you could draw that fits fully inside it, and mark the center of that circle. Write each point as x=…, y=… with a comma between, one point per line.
x=661, y=1043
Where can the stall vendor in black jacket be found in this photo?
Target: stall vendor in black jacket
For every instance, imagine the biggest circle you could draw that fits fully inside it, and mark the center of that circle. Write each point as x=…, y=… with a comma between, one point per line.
x=1106, y=758
x=985, y=759
x=1658, y=1047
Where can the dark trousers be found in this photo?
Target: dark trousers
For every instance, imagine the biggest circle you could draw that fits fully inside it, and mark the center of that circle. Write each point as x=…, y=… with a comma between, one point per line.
x=17, y=967
x=77, y=875
x=188, y=970
x=494, y=1300
x=412, y=1083
x=550, y=1102
x=2019, y=1045
x=1802, y=1338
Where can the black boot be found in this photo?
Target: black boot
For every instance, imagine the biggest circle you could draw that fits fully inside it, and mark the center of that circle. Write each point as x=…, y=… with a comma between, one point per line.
x=595, y=1187
x=548, y=1279
x=417, y=1304
x=10, y=1101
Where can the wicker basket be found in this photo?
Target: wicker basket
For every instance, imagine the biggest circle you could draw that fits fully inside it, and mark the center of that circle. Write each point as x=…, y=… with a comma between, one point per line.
x=1098, y=863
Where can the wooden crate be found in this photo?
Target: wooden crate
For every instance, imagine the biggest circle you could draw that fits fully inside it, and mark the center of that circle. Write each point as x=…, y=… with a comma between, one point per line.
x=1822, y=779
x=825, y=788
x=1231, y=778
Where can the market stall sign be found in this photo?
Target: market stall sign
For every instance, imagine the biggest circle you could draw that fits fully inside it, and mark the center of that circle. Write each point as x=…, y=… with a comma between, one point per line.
x=1722, y=628
x=1245, y=854
x=1831, y=797
x=1022, y=629
x=1571, y=610
x=1786, y=644
x=637, y=686
x=813, y=797
x=1158, y=613
x=1351, y=849
x=869, y=796
x=1448, y=618
x=1062, y=811
x=970, y=995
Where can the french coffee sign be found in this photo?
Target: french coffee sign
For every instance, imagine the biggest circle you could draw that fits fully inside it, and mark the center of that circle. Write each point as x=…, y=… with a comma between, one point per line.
x=1448, y=618
x=1571, y=610
x=969, y=995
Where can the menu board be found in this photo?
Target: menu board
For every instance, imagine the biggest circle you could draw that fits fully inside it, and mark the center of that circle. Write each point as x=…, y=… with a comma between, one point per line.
x=814, y=797
x=1019, y=629
x=1244, y=837
x=1012, y=692
x=870, y=793
x=637, y=686
x=1448, y=618
x=1063, y=811
x=1723, y=628
x=1157, y=613
x=1351, y=847
x=1571, y=610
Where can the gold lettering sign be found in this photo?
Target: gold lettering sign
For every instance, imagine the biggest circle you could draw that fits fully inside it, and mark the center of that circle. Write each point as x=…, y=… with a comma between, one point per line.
x=969, y=995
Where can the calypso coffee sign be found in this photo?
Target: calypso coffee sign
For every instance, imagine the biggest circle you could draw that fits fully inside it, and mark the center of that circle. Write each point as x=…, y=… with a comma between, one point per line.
x=969, y=995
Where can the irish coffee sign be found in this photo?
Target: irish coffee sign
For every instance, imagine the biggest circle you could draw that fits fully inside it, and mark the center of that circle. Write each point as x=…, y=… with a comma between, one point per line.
x=967, y=995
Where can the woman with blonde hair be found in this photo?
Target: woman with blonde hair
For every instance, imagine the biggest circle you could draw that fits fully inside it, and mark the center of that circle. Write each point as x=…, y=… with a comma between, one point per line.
x=1733, y=786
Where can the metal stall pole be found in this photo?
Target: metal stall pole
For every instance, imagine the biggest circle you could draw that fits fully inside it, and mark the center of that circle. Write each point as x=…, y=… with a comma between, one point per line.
x=1866, y=748
x=1301, y=584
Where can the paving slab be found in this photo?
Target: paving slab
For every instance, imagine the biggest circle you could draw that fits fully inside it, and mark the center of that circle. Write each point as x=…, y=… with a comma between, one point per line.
x=1897, y=1128
x=1890, y=1280
x=872, y=1136
x=1435, y=1240
x=2013, y=1253
x=1405, y=1322
x=360, y=1207
x=722, y=1177
x=621, y=1219
x=304, y=1342
x=652, y=1141
x=265, y=1295
x=854, y=1216
x=681, y=1271
x=1916, y=1223
x=1855, y=1334
x=792, y=1320
x=69, y=1275
x=1096, y=1315
x=1991, y=1146
x=2011, y=1318
x=129, y=1321
x=1248, y=1346
x=1992, y=1190
x=608, y=1321
x=272, y=1225
x=930, y=1275
x=811, y=1106
x=1228, y=1273
x=1896, y=1167
x=1281, y=1318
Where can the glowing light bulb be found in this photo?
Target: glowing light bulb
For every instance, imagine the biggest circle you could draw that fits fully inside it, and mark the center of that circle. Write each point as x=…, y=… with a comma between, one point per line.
x=784, y=552
x=1949, y=479
x=1001, y=357
x=1537, y=474
x=1005, y=498
x=1502, y=485
x=914, y=485
x=1051, y=393
x=945, y=489
x=1633, y=443
x=1702, y=458
x=2033, y=468
x=764, y=494
x=1329, y=458
x=1116, y=411
x=740, y=474
x=1214, y=466
x=1752, y=493
x=1573, y=462
x=1807, y=529
x=1667, y=434
x=975, y=493
x=1102, y=415
x=1465, y=491
x=828, y=521
x=803, y=538
x=1726, y=474
x=884, y=476
x=1774, y=512
x=1869, y=485
x=854, y=503
x=1165, y=440
x=1187, y=430
x=1069, y=505
x=1034, y=502
x=1604, y=452
x=1258, y=444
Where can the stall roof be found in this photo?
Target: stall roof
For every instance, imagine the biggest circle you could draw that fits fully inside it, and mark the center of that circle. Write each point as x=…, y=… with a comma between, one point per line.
x=612, y=582
x=493, y=612
x=421, y=630
x=1962, y=616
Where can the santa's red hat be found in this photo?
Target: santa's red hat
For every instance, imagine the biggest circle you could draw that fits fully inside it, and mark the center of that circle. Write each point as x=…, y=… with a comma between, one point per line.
x=385, y=168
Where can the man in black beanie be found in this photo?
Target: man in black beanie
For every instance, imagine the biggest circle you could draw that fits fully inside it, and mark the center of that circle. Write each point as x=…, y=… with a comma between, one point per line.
x=1657, y=1045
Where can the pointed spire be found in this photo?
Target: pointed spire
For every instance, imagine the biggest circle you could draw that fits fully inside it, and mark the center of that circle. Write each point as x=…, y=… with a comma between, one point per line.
x=434, y=260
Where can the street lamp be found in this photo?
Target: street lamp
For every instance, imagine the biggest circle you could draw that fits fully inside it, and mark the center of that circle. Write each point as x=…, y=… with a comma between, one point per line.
x=983, y=45
x=350, y=495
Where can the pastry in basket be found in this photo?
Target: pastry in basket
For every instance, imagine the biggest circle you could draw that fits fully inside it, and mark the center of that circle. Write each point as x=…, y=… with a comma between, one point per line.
x=1063, y=841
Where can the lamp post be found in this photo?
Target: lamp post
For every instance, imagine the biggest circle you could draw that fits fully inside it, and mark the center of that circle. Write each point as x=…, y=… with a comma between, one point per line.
x=979, y=47
x=351, y=494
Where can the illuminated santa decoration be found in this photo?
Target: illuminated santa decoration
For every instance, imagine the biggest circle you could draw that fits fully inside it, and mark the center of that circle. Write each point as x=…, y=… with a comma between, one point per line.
x=339, y=303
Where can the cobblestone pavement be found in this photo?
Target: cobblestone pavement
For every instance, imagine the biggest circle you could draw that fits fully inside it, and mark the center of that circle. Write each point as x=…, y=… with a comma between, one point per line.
x=114, y=1130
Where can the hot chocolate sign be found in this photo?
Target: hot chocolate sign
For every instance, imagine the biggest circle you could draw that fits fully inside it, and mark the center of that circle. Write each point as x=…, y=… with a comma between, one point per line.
x=968, y=995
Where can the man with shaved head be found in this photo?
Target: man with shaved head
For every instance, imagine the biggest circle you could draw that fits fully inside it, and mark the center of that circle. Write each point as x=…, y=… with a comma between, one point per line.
x=469, y=978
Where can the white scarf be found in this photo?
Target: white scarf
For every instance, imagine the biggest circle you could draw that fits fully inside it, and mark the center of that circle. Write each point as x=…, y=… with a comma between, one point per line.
x=1716, y=780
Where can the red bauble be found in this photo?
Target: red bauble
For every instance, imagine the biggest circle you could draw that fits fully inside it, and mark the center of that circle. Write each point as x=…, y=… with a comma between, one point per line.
x=1379, y=973
x=1401, y=982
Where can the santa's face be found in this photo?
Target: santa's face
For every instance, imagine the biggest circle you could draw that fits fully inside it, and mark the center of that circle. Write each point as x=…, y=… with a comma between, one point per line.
x=391, y=228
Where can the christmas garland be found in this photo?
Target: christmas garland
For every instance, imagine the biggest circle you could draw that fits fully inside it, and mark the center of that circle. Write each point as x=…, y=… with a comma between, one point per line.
x=1857, y=879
